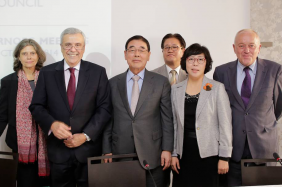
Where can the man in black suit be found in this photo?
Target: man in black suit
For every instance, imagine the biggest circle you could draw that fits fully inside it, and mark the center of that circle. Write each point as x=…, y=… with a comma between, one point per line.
x=72, y=104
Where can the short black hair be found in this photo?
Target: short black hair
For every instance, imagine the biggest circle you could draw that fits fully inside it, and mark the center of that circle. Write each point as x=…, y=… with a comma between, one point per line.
x=137, y=37
x=196, y=49
x=175, y=35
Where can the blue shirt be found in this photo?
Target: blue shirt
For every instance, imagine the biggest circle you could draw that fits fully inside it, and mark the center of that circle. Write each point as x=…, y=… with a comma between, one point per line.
x=241, y=75
x=129, y=83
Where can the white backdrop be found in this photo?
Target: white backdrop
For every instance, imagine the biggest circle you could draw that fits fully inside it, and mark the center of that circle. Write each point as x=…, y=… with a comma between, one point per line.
x=108, y=24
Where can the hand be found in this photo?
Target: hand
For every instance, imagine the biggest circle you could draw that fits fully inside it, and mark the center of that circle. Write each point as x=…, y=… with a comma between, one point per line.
x=166, y=159
x=76, y=140
x=108, y=160
x=61, y=130
x=175, y=164
x=223, y=167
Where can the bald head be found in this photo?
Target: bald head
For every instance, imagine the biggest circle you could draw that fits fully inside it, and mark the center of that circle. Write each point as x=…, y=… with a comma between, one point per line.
x=246, y=46
x=251, y=31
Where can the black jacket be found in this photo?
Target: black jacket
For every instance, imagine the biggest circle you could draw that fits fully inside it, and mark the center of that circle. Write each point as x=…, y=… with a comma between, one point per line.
x=8, y=99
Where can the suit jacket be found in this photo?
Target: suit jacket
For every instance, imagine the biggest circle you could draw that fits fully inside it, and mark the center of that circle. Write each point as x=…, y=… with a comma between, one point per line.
x=213, y=120
x=163, y=71
x=258, y=120
x=150, y=130
x=8, y=99
x=90, y=114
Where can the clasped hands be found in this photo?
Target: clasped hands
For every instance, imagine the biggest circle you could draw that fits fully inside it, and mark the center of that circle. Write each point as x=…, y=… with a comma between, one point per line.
x=63, y=132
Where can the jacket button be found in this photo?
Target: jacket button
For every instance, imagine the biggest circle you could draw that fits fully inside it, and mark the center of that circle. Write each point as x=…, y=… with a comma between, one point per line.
x=244, y=131
x=198, y=128
x=247, y=114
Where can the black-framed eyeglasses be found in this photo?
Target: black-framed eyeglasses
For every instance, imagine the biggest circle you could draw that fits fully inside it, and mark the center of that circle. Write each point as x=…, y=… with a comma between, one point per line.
x=173, y=48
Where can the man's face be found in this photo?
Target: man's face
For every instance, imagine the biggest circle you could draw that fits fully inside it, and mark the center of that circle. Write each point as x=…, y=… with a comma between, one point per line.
x=73, y=47
x=137, y=55
x=172, y=51
x=246, y=47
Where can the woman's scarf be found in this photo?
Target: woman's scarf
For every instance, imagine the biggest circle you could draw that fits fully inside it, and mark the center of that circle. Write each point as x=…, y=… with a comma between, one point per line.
x=26, y=128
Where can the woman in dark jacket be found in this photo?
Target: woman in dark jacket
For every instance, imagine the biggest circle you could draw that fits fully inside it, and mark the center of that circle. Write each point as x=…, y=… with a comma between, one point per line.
x=24, y=136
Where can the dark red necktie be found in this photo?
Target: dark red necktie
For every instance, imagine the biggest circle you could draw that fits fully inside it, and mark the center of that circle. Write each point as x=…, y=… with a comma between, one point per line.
x=71, y=88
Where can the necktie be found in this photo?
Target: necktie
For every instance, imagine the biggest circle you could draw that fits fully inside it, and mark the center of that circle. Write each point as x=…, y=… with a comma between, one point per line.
x=173, y=77
x=71, y=88
x=246, y=87
x=135, y=94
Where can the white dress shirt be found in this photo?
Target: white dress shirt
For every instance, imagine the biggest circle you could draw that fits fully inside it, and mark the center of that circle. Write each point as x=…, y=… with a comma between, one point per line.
x=67, y=74
x=170, y=74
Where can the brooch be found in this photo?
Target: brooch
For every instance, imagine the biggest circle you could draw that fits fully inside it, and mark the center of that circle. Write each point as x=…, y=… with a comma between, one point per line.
x=208, y=87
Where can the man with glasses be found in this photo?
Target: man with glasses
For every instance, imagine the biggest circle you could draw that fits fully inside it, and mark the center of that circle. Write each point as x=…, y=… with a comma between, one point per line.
x=254, y=87
x=173, y=47
x=72, y=105
x=142, y=114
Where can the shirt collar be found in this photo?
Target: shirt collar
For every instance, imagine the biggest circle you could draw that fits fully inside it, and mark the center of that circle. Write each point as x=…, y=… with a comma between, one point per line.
x=176, y=69
x=241, y=67
x=130, y=74
x=66, y=66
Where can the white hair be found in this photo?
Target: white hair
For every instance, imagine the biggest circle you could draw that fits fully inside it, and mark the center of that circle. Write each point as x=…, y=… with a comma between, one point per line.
x=71, y=31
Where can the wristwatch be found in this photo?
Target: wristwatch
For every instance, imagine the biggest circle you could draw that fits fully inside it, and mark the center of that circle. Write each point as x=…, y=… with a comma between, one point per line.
x=87, y=137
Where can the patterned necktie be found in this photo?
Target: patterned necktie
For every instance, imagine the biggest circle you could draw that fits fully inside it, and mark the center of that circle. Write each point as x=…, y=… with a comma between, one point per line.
x=173, y=77
x=135, y=94
x=71, y=88
x=246, y=87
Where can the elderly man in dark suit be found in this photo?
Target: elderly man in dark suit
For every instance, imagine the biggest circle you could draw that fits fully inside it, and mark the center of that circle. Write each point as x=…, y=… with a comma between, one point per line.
x=254, y=87
x=173, y=47
x=142, y=115
x=72, y=104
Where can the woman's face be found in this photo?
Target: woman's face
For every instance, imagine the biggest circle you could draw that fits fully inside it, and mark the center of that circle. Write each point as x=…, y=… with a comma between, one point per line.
x=195, y=65
x=28, y=57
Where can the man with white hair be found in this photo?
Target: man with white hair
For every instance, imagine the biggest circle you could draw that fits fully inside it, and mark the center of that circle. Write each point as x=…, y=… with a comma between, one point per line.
x=72, y=105
x=254, y=87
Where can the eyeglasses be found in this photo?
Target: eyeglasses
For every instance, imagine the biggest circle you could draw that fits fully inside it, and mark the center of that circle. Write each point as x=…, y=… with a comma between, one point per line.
x=199, y=60
x=77, y=46
x=173, y=48
x=133, y=50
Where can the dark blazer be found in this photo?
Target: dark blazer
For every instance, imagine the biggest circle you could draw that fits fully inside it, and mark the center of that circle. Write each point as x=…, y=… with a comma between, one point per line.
x=91, y=110
x=150, y=130
x=8, y=99
x=259, y=119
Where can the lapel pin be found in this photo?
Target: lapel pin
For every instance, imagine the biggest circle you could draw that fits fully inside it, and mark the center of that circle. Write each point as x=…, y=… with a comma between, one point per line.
x=208, y=87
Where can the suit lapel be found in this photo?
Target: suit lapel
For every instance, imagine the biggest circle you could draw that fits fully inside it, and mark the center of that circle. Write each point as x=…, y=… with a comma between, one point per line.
x=164, y=71
x=123, y=92
x=60, y=79
x=180, y=99
x=13, y=93
x=82, y=81
x=182, y=75
x=146, y=90
x=204, y=95
x=260, y=75
x=232, y=73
